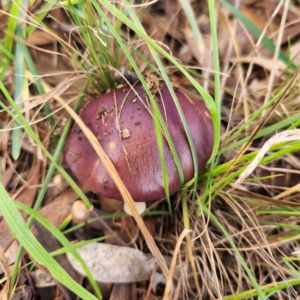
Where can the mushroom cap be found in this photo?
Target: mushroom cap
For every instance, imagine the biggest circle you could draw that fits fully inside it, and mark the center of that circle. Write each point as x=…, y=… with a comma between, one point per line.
x=123, y=124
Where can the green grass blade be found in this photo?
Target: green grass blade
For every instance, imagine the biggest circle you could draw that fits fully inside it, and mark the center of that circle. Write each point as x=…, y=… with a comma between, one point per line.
x=19, y=228
x=191, y=19
x=220, y=184
x=158, y=118
x=20, y=79
x=20, y=85
x=57, y=156
x=37, y=82
x=36, y=20
x=205, y=95
x=43, y=190
x=6, y=53
x=270, y=129
x=12, y=24
x=63, y=240
x=259, y=112
x=22, y=121
x=4, y=65
x=216, y=62
x=277, y=286
x=184, y=123
x=159, y=140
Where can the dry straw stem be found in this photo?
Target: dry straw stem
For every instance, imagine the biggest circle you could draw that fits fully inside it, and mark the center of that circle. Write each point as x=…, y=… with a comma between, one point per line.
x=293, y=189
x=285, y=136
x=5, y=268
x=277, y=49
x=124, y=192
x=168, y=289
x=274, y=200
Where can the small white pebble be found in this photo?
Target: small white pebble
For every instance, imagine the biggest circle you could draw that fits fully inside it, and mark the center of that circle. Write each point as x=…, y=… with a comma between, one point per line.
x=79, y=212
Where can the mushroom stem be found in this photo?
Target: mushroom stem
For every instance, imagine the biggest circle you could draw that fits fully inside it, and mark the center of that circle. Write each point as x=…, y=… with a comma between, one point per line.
x=140, y=206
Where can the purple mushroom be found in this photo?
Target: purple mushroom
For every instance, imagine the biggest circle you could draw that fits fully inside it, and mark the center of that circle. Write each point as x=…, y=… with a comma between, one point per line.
x=122, y=122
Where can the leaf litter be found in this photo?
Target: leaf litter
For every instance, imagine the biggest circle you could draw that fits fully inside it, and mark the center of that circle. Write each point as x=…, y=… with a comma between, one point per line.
x=263, y=234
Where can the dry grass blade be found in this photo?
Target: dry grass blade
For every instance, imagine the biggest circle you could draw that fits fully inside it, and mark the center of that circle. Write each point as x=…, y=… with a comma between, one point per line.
x=284, y=136
x=289, y=191
x=274, y=200
x=276, y=54
x=265, y=118
x=124, y=192
x=168, y=289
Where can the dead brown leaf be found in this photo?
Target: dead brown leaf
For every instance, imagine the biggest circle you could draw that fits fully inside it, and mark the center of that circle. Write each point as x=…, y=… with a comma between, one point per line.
x=27, y=194
x=7, y=175
x=40, y=38
x=60, y=208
